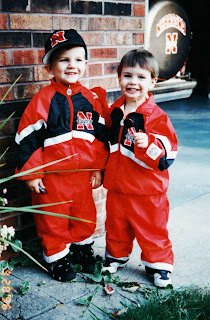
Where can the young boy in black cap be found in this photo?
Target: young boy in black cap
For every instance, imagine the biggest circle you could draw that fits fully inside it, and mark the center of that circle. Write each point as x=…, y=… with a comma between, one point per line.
x=64, y=119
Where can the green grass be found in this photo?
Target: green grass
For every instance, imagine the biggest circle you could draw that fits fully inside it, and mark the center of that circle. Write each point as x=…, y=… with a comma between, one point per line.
x=182, y=304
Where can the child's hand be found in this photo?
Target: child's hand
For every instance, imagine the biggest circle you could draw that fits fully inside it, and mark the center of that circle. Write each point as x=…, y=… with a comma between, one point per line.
x=141, y=139
x=96, y=179
x=35, y=184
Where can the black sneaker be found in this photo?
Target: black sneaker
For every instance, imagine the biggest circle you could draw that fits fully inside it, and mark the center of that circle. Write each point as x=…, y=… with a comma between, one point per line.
x=162, y=278
x=112, y=264
x=84, y=256
x=61, y=270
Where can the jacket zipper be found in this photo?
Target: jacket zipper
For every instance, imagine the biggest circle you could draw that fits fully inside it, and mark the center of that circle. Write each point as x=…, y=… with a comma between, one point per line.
x=69, y=94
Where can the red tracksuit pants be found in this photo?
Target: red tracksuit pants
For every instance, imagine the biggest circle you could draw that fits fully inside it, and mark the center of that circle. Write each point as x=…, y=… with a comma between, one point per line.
x=58, y=233
x=144, y=218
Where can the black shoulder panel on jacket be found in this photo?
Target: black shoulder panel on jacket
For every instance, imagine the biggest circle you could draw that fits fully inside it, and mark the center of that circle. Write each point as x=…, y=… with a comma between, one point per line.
x=116, y=116
x=136, y=121
x=58, y=121
x=28, y=145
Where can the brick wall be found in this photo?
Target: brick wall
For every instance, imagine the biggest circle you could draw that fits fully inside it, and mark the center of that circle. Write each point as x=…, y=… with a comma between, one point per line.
x=109, y=28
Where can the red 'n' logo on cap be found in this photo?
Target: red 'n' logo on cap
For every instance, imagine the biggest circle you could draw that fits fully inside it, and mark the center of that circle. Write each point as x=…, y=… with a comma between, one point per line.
x=57, y=37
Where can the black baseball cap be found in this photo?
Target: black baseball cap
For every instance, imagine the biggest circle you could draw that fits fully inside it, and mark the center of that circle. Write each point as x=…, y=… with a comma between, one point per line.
x=61, y=38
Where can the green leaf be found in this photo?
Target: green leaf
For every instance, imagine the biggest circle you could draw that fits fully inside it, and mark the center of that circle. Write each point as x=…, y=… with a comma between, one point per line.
x=77, y=267
x=85, y=301
x=10, y=266
x=107, y=279
x=127, y=284
x=49, y=213
x=169, y=286
x=41, y=283
x=98, y=268
x=27, y=254
x=22, y=260
x=24, y=288
x=2, y=155
x=16, y=245
x=3, y=265
x=96, y=278
x=34, y=170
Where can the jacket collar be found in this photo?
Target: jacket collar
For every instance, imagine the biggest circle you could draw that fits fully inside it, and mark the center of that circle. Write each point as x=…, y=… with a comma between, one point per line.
x=145, y=108
x=65, y=89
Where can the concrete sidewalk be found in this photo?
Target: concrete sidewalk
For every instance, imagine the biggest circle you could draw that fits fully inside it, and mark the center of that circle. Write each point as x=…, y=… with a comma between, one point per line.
x=189, y=222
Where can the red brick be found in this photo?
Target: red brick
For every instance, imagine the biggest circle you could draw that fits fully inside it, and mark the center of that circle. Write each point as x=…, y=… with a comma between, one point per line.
x=68, y=22
x=41, y=53
x=29, y=56
x=27, y=91
x=103, y=53
x=92, y=38
x=130, y=24
x=41, y=73
x=30, y=22
x=118, y=38
x=5, y=58
x=138, y=38
x=94, y=69
x=139, y=10
x=122, y=51
x=3, y=90
x=85, y=82
x=111, y=67
x=106, y=83
x=3, y=21
x=102, y=24
x=4, y=76
x=9, y=75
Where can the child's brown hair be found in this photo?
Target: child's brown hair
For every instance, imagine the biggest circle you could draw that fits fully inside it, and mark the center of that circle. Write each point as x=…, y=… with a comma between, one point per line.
x=143, y=58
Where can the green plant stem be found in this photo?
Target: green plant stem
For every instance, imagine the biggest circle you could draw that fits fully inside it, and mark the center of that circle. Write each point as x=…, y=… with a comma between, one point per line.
x=48, y=213
x=10, y=88
x=27, y=172
x=6, y=120
x=1, y=156
x=5, y=210
x=26, y=253
x=73, y=170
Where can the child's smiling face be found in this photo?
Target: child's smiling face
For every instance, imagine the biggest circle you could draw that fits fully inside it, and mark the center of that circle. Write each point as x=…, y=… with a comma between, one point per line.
x=135, y=83
x=69, y=66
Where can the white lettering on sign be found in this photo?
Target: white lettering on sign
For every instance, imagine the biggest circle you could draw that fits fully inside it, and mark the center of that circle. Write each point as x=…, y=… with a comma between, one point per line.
x=168, y=21
x=171, y=43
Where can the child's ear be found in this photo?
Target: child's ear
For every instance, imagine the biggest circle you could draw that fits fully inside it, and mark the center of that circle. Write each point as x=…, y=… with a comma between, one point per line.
x=49, y=70
x=153, y=82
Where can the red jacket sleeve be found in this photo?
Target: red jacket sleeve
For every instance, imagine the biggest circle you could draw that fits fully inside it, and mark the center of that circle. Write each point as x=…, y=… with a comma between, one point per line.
x=30, y=138
x=162, y=147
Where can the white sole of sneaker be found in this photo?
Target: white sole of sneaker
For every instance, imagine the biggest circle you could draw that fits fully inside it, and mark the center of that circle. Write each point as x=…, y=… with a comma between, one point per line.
x=161, y=283
x=113, y=267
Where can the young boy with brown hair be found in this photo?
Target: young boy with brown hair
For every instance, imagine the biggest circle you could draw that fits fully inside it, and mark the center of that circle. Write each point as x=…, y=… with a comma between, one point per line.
x=64, y=119
x=143, y=144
